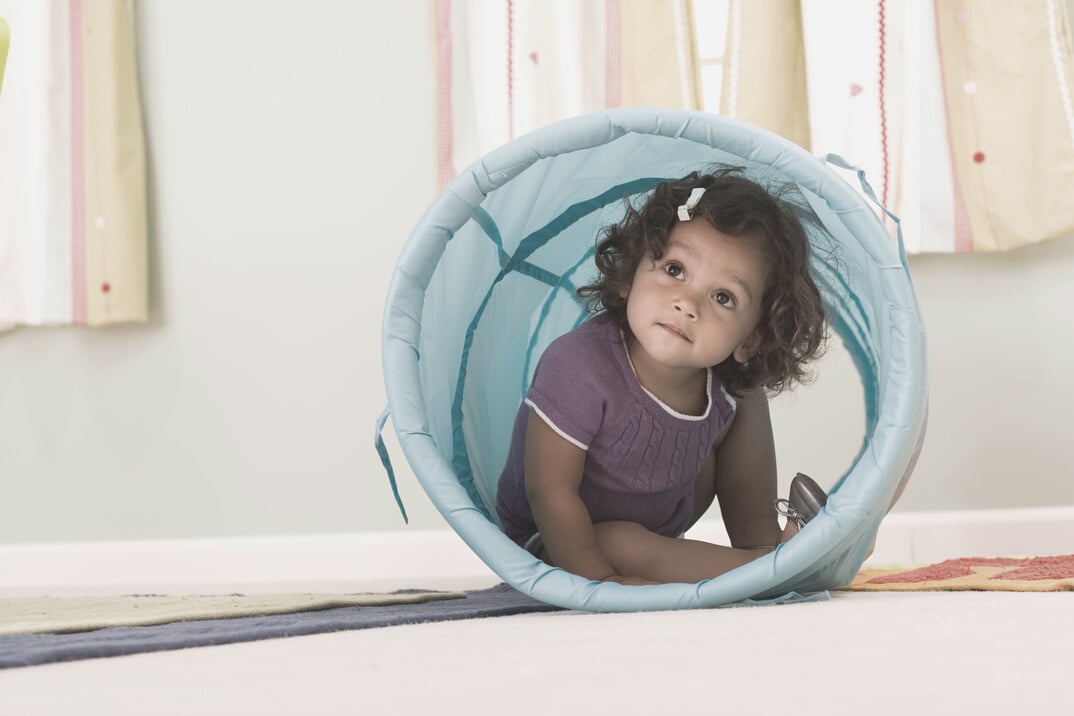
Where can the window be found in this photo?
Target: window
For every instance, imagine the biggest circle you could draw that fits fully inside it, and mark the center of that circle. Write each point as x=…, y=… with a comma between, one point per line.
x=710, y=35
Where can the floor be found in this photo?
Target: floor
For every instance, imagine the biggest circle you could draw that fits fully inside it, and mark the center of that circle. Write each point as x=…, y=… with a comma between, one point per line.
x=876, y=653
x=929, y=653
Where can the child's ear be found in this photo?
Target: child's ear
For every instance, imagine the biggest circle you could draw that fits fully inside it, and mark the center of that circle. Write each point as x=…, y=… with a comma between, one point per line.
x=748, y=348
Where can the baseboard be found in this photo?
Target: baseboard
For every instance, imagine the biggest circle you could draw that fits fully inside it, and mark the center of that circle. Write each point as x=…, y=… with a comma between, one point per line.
x=925, y=537
x=371, y=561
x=438, y=559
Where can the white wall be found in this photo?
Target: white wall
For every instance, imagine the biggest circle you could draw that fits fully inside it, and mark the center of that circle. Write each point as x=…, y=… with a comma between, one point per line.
x=291, y=152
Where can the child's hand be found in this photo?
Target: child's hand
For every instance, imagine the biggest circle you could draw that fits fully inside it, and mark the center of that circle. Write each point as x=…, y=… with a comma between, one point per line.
x=632, y=581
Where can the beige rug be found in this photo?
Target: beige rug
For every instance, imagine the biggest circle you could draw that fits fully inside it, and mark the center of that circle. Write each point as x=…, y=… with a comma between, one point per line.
x=44, y=614
x=1007, y=574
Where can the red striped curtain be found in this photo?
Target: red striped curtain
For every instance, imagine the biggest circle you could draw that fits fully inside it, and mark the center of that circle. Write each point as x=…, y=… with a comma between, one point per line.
x=72, y=174
x=960, y=112
x=505, y=67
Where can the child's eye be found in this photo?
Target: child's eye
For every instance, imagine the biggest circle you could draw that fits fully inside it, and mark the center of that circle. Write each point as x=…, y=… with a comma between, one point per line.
x=724, y=299
x=673, y=269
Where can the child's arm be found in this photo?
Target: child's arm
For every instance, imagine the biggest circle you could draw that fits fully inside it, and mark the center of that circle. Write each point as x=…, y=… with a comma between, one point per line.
x=554, y=468
x=746, y=474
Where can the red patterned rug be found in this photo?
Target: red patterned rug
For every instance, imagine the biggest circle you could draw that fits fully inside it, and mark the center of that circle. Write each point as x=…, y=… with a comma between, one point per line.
x=1007, y=574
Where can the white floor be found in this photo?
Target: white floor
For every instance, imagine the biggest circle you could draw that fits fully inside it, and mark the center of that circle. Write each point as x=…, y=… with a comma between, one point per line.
x=889, y=653
x=872, y=653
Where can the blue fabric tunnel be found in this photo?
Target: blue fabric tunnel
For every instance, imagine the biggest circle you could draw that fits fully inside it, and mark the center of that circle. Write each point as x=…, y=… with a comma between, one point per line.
x=487, y=281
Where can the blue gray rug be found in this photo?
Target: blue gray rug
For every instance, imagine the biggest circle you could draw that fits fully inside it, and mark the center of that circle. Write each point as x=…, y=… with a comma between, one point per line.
x=32, y=649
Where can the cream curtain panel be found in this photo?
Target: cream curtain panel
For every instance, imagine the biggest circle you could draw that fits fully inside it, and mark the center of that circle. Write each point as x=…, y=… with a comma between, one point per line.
x=960, y=112
x=4, y=35
x=505, y=67
x=72, y=166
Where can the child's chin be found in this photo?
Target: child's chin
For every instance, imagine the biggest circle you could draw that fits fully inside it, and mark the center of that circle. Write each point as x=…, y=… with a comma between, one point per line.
x=678, y=362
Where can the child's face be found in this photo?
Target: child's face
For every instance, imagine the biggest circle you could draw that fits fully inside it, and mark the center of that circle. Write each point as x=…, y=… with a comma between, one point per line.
x=700, y=302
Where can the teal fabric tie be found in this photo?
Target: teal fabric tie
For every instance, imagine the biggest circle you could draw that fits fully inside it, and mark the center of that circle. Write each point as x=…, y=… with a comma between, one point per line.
x=386, y=461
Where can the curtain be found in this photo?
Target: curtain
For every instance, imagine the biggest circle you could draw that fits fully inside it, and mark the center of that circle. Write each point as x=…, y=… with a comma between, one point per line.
x=3, y=49
x=960, y=112
x=72, y=166
x=505, y=67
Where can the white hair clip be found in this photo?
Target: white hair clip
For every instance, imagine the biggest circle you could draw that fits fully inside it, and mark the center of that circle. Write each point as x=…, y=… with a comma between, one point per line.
x=686, y=211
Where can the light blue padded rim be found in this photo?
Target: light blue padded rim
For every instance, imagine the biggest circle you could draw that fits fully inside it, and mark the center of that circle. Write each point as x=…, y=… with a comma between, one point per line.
x=831, y=549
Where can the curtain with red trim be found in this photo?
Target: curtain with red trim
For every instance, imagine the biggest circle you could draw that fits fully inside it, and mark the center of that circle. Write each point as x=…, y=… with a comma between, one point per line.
x=505, y=67
x=72, y=166
x=960, y=112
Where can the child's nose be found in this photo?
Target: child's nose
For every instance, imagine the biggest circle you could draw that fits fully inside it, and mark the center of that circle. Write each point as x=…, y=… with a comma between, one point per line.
x=686, y=305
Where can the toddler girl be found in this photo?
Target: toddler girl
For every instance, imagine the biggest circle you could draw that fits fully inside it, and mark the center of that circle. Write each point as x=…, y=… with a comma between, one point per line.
x=639, y=418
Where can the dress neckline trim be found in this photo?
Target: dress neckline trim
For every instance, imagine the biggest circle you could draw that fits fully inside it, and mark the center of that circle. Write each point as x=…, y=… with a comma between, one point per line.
x=667, y=408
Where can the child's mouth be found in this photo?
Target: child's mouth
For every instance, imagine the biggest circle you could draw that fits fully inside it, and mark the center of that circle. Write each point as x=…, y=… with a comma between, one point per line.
x=675, y=331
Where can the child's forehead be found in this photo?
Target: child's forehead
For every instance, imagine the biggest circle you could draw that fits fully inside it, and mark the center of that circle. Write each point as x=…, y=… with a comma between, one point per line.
x=697, y=236
x=707, y=244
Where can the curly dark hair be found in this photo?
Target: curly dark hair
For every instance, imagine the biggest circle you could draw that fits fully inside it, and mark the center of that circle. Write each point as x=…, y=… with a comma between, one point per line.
x=792, y=330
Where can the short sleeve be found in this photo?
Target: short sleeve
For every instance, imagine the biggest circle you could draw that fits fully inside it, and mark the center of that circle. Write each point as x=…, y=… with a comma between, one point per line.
x=567, y=387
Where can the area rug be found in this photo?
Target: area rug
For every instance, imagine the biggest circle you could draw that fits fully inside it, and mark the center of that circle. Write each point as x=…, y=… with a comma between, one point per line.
x=1006, y=574
x=32, y=615
x=41, y=648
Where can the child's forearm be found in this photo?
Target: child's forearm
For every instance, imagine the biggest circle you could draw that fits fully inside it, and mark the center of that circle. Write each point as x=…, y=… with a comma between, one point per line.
x=746, y=475
x=567, y=531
